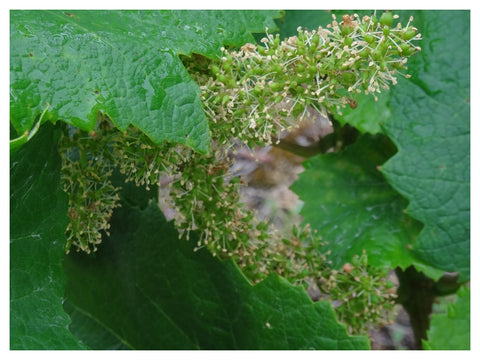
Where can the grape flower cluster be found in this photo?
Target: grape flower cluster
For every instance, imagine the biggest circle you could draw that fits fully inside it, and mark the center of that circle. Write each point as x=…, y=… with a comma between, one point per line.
x=250, y=95
x=261, y=90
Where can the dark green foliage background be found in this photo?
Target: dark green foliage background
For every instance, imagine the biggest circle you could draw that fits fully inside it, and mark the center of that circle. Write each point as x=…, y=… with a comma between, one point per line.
x=38, y=218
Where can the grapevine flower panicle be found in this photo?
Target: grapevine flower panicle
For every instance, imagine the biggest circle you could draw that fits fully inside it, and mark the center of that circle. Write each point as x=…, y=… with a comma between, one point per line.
x=325, y=69
x=251, y=95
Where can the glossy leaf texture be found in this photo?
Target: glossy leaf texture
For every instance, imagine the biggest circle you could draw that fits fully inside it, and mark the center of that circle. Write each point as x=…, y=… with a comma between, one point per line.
x=38, y=218
x=430, y=125
x=148, y=289
x=353, y=207
x=123, y=63
x=450, y=330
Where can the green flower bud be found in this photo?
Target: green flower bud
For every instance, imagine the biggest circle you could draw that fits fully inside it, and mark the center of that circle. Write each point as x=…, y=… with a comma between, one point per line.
x=387, y=18
x=277, y=68
x=407, y=49
x=364, y=53
x=222, y=78
x=276, y=41
x=409, y=33
x=348, y=41
x=369, y=38
x=377, y=54
x=383, y=47
x=386, y=30
x=275, y=86
x=225, y=99
x=238, y=113
x=349, y=77
x=215, y=69
x=346, y=30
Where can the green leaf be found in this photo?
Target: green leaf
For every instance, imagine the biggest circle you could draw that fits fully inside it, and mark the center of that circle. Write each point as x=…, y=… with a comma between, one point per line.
x=38, y=218
x=430, y=126
x=451, y=330
x=148, y=289
x=353, y=208
x=123, y=63
x=369, y=114
x=307, y=19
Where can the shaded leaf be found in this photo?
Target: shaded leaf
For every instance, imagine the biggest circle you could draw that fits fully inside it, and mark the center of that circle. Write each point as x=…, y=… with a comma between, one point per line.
x=147, y=289
x=38, y=218
x=451, y=330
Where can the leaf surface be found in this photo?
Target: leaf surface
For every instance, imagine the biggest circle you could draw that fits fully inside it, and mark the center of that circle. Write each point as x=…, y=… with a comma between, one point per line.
x=38, y=218
x=430, y=126
x=450, y=330
x=352, y=206
x=147, y=289
x=123, y=63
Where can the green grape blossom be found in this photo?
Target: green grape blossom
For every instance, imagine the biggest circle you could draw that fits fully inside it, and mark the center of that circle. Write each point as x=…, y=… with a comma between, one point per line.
x=257, y=92
x=251, y=95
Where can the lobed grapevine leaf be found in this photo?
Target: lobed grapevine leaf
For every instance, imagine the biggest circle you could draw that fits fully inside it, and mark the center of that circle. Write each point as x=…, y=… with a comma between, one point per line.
x=355, y=209
x=122, y=63
x=430, y=125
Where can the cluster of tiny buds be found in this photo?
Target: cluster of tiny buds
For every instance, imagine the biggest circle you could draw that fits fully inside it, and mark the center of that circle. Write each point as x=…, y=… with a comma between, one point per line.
x=259, y=91
x=362, y=294
x=252, y=95
x=206, y=198
x=86, y=172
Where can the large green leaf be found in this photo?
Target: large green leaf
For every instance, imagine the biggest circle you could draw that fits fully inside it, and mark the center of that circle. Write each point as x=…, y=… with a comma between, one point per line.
x=148, y=289
x=123, y=63
x=349, y=202
x=38, y=218
x=450, y=330
x=430, y=125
